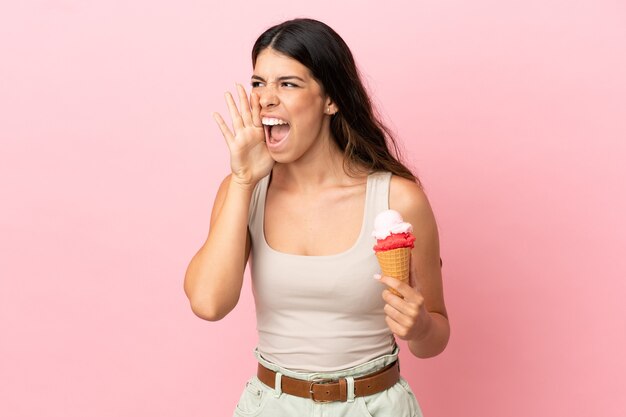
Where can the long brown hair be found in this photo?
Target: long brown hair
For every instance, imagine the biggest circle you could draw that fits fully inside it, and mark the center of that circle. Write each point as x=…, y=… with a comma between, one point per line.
x=359, y=133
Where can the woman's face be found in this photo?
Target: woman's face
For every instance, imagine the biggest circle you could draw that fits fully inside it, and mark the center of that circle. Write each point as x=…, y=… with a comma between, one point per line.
x=293, y=106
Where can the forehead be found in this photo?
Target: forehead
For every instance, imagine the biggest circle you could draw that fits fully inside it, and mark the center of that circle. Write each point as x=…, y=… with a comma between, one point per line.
x=271, y=64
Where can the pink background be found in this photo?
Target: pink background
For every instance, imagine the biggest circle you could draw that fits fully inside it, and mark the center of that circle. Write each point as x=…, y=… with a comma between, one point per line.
x=513, y=113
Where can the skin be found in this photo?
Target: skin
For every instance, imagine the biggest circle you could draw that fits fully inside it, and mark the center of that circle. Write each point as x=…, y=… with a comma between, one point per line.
x=309, y=192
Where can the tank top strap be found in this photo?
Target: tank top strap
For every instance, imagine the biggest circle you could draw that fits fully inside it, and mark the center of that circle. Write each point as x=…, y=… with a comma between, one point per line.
x=377, y=198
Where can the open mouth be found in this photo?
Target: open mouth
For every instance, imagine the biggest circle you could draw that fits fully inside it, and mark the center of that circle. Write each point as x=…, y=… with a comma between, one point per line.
x=276, y=130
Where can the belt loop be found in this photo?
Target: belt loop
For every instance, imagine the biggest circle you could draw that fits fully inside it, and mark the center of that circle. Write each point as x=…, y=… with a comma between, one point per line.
x=278, y=389
x=343, y=389
x=350, y=381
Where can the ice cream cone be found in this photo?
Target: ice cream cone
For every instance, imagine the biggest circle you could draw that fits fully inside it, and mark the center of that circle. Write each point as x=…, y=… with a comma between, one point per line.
x=395, y=263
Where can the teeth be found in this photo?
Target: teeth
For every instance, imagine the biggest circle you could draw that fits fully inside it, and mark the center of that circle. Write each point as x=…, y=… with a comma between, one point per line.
x=270, y=121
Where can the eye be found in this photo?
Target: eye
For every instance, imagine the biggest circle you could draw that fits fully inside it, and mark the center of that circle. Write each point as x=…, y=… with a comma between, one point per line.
x=256, y=84
x=288, y=84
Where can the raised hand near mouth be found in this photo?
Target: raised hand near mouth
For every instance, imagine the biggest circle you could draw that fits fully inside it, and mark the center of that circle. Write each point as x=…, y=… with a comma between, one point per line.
x=250, y=159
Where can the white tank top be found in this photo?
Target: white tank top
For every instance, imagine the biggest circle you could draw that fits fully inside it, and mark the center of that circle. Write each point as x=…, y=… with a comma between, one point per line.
x=320, y=313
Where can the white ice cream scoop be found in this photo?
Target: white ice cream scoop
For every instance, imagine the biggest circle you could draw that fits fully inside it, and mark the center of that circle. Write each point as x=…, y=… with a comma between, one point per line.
x=388, y=222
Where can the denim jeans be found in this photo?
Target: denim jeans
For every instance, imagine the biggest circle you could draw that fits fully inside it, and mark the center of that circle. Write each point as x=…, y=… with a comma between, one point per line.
x=259, y=400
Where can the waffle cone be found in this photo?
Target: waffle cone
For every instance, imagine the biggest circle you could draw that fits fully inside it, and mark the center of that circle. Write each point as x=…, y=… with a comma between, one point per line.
x=395, y=263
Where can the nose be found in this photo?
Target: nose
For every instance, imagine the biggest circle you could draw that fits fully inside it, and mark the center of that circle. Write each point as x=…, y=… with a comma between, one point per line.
x=268, y=96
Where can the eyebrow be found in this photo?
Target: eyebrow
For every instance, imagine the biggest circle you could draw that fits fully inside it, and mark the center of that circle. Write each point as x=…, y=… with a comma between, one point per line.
x=283, y=78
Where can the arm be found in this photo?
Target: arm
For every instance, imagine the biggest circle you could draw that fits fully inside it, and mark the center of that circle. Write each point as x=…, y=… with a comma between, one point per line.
x=215, y=274
x=421, y=317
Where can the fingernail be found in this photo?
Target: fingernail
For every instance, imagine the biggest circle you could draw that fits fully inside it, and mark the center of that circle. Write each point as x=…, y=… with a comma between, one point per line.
x=377, y=276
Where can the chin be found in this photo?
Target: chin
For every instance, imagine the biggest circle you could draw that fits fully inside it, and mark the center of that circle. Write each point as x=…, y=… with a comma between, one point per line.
x=283, y=158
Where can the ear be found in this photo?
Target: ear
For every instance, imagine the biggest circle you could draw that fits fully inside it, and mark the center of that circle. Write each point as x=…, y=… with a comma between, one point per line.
x=330, y=108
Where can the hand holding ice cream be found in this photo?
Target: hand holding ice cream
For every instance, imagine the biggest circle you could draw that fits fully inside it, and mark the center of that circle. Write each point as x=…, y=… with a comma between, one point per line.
x=407, y=316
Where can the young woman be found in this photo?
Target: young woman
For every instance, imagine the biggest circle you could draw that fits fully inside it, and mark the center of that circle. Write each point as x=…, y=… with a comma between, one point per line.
x=311, y=167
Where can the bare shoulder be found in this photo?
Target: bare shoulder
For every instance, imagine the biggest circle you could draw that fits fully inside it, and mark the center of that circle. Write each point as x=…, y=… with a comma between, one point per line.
x=408, y=198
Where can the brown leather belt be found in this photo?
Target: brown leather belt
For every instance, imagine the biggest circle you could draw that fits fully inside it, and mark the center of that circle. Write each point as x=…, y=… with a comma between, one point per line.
x=327, y=390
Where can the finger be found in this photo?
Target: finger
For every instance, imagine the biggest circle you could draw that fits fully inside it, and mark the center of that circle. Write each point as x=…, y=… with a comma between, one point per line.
x=398, y=316
x=407, y=308
x=403, y=288
x=256, y=110
x=396, y=328
x=244, y=105
x=234, y=113
x=228, y=135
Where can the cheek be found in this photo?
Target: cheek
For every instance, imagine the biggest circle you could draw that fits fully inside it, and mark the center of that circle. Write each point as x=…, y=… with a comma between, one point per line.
x=307, y=111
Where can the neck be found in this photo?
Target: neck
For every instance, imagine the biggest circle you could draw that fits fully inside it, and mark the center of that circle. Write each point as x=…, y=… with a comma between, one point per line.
x=321, y=167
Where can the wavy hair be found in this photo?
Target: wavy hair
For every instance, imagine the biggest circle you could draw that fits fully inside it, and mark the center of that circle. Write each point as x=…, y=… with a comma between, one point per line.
x=359, y=133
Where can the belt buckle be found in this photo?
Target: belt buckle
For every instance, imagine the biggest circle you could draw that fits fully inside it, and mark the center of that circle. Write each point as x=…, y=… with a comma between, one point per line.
x=319, y=381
